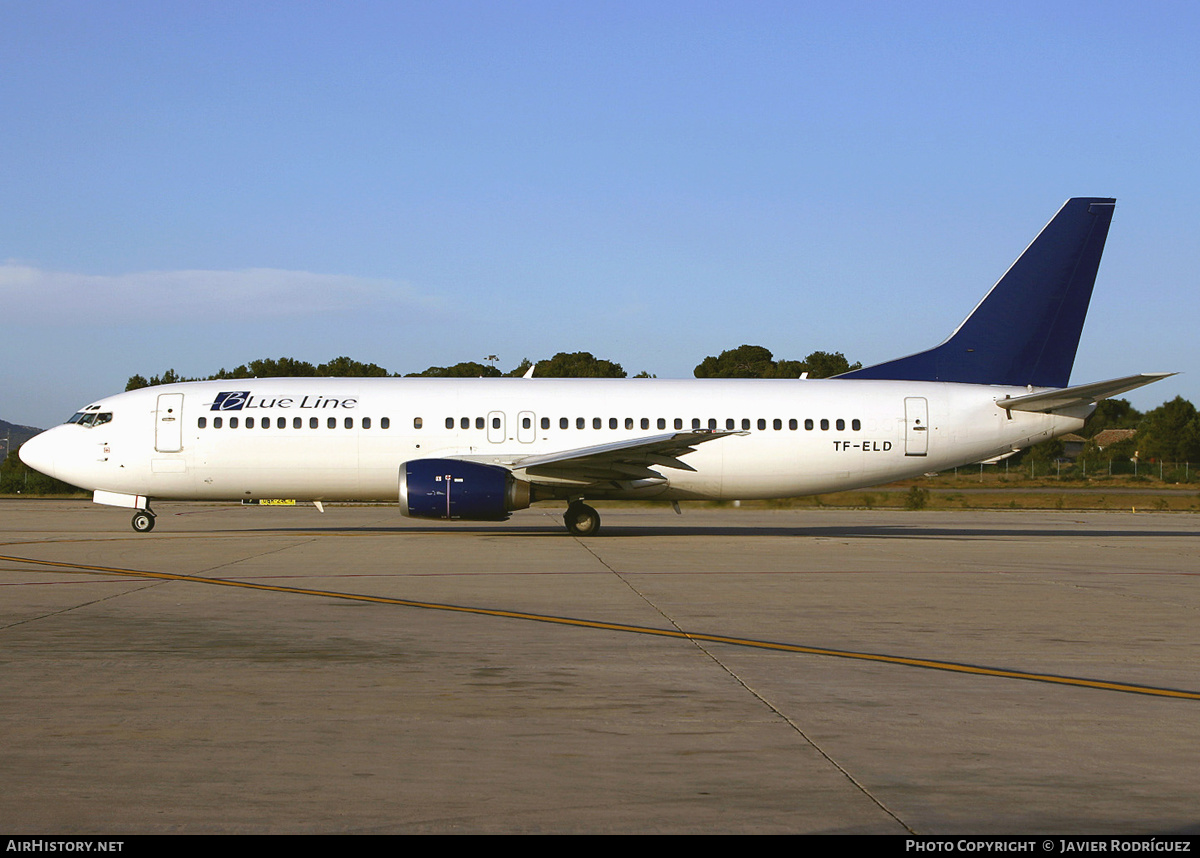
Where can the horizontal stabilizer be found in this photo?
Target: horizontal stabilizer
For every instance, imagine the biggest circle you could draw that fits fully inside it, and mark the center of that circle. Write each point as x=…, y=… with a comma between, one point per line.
x=1084, y=394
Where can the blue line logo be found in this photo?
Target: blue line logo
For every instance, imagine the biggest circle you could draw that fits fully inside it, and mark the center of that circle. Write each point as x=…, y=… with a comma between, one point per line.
x=232, y=400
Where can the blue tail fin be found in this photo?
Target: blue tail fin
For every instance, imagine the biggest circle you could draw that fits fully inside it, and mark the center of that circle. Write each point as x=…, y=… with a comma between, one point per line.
x=1026, y=330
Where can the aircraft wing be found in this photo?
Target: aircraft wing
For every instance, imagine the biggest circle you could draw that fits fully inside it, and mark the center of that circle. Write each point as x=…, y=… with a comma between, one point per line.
x=621, y=460
x=1084, y=394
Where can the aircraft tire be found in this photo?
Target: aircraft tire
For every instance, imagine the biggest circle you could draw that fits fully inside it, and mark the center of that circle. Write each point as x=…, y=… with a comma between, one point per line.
x=143, y=522
x=582, y=520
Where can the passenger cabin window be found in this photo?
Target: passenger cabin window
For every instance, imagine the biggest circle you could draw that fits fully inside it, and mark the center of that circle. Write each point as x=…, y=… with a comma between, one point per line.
x=217, y=422
x=808, y=424
x=563, y=423
x=386, y=423
x=841, y=424
x=662, y=423
x=249, y=422
x=297, y=423
x=349, y=423
x=313, y=423
x=545, y=422
x=824, y=425
x=233, y=423
x=331, y=423
x=366, y=422
x=856, y=424
x=449, y=422
x=281, y=423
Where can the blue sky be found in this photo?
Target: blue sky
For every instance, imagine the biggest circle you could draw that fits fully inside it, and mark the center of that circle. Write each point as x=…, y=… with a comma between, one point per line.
x=195, y=185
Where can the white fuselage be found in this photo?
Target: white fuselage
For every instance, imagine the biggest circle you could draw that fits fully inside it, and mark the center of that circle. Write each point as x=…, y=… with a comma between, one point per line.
x=330, y=439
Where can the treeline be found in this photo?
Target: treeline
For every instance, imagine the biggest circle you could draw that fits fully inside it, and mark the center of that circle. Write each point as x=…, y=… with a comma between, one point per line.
x=757, y=362
x=1169, y=433
x=17, y=478
x=743, y=362
x=283, y=367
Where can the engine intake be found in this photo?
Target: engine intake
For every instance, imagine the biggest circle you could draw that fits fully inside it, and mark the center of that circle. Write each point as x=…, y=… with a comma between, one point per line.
x=452, y=489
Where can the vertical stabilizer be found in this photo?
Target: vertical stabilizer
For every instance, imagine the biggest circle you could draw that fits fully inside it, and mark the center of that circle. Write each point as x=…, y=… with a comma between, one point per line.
x=1026, y=330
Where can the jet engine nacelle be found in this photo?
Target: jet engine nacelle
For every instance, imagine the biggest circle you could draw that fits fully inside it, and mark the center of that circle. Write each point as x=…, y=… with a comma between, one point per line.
x=449, y=488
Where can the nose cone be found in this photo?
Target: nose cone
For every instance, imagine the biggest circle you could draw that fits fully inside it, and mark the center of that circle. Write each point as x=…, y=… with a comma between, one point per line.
x=38, y=453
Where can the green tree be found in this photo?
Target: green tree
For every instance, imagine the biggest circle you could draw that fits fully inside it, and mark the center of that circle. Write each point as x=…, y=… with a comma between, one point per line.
x=284, y=367
x=578, y=365
x=829, y=364
x=1111, y=414
x=344, y=367
x=467, y=369
x=18, y=478
x=788, y=369
x=748, y=361
x=136, y=382
x=1170, y=433
x=1041, y=456
x=520, y=369
x=745, y=361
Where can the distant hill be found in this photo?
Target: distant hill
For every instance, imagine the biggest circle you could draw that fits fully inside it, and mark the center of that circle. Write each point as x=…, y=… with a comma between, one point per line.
x=16, y=435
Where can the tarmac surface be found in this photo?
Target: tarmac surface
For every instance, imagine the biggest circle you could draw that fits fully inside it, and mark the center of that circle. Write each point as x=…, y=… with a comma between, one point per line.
x=276, y=670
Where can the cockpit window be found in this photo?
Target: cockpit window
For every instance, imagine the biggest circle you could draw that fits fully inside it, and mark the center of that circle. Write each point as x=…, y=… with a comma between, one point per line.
x=91, y=418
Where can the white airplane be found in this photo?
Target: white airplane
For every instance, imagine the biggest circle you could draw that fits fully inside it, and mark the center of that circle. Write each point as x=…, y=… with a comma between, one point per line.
x=477, y=449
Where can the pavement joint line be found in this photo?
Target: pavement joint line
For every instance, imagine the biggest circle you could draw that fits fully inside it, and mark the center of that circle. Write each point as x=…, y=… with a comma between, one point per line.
x=741, y=683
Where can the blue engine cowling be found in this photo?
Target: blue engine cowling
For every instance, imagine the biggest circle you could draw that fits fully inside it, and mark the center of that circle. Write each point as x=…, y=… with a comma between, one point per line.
x=448, y=488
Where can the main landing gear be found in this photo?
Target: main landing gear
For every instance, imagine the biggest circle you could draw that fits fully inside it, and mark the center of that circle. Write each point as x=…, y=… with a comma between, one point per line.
x=581, y=519
x=143, y=520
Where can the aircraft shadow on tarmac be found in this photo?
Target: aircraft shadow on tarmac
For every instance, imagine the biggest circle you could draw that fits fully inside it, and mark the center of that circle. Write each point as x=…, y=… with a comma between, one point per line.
x=626, y=531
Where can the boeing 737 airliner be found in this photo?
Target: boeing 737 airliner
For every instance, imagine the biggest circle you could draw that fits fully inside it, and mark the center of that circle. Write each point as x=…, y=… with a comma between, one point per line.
x=477, y=449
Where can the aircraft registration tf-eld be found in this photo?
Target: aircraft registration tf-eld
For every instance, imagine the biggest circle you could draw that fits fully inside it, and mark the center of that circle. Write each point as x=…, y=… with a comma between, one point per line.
x=476, y=449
